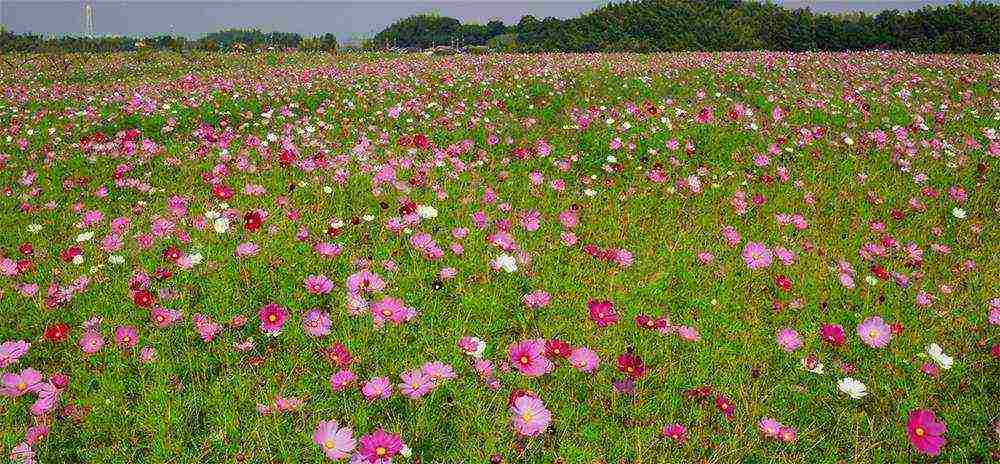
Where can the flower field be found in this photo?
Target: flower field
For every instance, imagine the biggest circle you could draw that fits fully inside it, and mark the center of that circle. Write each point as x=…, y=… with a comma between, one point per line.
x=371, y=258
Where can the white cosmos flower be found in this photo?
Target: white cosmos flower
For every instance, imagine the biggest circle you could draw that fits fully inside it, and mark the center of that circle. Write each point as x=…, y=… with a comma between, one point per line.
x=78, y=260
x=852, y=387
x=116, y=259
x=86, y=236
x=427, y=212
x=221, y=225
x=959, y=213
x=505, y=262
x=212, y=215
x=35, y=228
x=937, y=354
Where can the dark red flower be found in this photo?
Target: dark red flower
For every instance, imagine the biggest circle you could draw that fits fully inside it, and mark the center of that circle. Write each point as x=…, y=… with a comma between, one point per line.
x=222, y=191
x=57, y=332
x=631, y=365
x=783, y=282
x=725, y=406
x=172, y=254
x=252, y=220
x=339, y=355
x=143, y=298
x=555, y=348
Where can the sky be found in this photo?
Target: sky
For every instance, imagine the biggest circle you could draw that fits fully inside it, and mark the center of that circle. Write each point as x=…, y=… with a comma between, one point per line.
x=347, y=19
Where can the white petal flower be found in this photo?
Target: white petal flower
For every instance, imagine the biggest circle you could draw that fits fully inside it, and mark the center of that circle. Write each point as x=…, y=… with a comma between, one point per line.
x=427, y=212
x=852, y=387
x=221, y=225
x=86, y=236
x=937, y=354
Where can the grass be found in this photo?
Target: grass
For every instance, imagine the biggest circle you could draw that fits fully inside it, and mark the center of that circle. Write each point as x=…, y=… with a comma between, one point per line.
x=196, y=402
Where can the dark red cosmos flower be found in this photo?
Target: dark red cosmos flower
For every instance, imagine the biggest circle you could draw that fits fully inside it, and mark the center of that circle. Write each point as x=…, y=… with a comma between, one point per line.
x=143, y=298
x=725, y=406
x=698, y=393
x=631, y=365
x=556, y=348
x=24, y=265
x=652, y=323
x=26, y=249
x=880, y=272
x=783, y=282
x=286, y=157
x=897, y=214
x=333, y=231
x=222, y=191
x=338, y=355
x=252, y=220
x=408, y=207
x=996, y=351
x=71, y=252
x=162, y=273
x=172, y=254
x=57, y=332
x=421, y=141
x=896, y=328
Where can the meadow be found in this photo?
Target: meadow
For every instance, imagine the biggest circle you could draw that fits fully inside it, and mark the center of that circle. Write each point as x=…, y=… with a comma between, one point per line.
x=283, y=257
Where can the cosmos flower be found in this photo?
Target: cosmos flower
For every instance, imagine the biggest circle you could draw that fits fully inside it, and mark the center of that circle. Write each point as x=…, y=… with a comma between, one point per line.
x=874, y=332
x=336, y=442
x=528, y=357
x=925, y=432
x=530, y=417
x=272, y=318
x=853, y=388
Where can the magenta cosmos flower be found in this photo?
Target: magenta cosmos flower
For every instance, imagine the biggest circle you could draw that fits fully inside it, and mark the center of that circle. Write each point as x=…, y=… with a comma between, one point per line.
x=528, y=357
x=874, y=332
x=126, y=336
x=11, y=351
x=924, y=431
x=318, y=284
x=14, y=385
x=392, y=310
x=415, y=384
x=602, y=312
x=379, y=447
x=272, y=318
x=336, y=442
x=675, y=432
x=531, y=418
x=376, y=388
x=757, y=256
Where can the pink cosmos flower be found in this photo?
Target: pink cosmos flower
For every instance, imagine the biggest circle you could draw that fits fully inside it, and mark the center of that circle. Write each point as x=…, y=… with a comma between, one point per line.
x=789, y=339
x=415, y=384
x=602, y=312
x=147, y=354
x=757, y=256
x=163, y=317
x=91, y=342
x=832, y=334
x=336, y=442
x=924, y=432
x=392, y=310
x=537, y=299
x=377, y=388
x=364, y=281
x=318, y=284
x=687, y=333
x=528, y=357
x=246, y=249
x=11, y=351
x=14, y=385
x=769, y=427
x=583, y=359
x=675, y=432
x=272, y=318
x=23, y=453
x=874, y=332
x=341, y=379
x=316, y=323
x=438, y=371
x=379, y=447
x=126, y=336
x=472, y=346
x=530, y=417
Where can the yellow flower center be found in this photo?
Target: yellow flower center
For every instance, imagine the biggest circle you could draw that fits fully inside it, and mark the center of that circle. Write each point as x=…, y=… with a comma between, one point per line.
x=527, y=416
x=381, y=451
x=22, y=386
x=524, y=360
x=328, y=444
x=272, y=318
x=873, y=334
x=386, y=312
x=919, y=431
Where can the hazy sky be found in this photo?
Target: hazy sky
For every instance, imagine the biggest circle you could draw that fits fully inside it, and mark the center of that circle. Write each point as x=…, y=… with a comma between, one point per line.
x=347, y=19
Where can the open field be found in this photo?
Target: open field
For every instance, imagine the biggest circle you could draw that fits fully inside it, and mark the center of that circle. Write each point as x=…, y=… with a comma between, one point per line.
x=500, y=258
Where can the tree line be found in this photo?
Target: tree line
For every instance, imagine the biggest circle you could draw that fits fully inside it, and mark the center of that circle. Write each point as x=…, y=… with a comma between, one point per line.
x=715, y=25
x=227, y=40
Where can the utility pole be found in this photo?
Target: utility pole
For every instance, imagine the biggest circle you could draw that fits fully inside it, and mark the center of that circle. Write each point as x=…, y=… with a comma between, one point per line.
x=88, y=19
